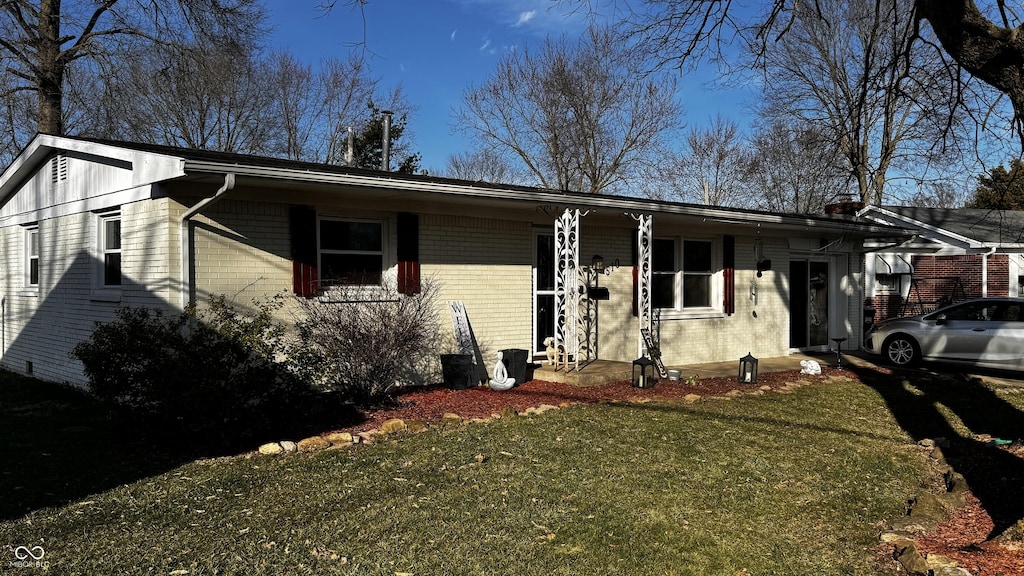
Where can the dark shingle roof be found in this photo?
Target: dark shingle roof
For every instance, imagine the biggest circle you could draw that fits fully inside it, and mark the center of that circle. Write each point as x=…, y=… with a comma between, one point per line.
x=984, y=225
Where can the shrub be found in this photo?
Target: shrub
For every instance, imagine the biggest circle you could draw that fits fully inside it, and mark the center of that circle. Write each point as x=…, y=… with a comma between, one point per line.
x=212, y=372
x=362, y=341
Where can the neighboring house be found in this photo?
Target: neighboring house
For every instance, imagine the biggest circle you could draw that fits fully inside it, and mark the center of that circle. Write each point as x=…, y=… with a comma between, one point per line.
x=955, y=254
x=89, y=226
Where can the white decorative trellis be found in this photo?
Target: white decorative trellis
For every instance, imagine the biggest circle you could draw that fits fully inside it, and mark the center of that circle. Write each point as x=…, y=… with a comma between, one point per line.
x=567, y=259
x=644, y=243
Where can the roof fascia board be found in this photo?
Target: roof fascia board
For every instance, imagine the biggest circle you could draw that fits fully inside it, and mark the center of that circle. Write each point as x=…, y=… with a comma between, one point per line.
x=617, y=203
x=937, y=234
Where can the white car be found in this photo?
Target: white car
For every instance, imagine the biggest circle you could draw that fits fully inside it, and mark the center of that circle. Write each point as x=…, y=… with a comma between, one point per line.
x=986, y=332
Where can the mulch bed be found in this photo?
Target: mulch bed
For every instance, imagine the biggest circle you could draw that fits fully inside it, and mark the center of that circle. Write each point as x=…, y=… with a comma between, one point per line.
x=962, y=537
x=430, y=403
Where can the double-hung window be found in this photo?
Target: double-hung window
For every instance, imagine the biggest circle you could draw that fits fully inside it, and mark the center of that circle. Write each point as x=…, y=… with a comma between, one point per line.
x=32, y=256
x=351, y=252
x=110, y=249
x=682, y=272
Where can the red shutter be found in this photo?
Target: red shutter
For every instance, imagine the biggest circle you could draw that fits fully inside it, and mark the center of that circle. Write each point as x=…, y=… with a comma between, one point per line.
x=408, y=253
x=305, y=277
x=729, y=274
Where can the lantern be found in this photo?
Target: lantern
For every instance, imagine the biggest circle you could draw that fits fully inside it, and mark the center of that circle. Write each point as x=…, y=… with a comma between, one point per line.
x=643, y=373
x=748, y=370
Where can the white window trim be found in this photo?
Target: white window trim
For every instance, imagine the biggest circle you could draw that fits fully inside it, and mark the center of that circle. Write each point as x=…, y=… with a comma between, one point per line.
x=678, y=311
x=387, y=264
x=882, y=289
x=27, y=288
x=100, y=291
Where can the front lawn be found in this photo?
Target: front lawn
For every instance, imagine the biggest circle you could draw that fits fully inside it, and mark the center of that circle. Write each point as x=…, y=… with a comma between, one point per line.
x=769, y=485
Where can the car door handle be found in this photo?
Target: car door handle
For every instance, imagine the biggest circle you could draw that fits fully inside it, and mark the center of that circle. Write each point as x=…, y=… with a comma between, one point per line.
x=978, y=329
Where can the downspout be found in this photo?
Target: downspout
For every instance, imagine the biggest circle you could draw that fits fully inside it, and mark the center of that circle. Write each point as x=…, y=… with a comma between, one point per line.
x=984, y=271
x=186, y=239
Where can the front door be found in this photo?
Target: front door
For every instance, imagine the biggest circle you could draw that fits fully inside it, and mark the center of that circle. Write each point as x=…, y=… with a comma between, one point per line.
x=808, y=304
x=544, y=316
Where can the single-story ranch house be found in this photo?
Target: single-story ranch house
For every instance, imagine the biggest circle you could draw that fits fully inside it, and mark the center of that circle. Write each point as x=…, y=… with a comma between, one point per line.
x=89, y=226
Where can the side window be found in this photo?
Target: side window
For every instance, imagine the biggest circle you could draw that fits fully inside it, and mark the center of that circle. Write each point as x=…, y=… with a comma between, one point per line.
x=351, y=252
x=31, y=236
x=1012, y=313
x=110, y=249
x=974, y=312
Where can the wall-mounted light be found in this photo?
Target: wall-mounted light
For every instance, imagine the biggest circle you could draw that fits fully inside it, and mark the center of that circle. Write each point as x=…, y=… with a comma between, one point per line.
x=597, y=264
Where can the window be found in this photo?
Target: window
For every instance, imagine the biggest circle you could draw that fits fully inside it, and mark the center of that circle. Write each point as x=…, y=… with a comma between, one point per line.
x=351, y=252
x=681, y=280
x=32, y=256
x=110, y=248
x=663, y=273
x=887, y=283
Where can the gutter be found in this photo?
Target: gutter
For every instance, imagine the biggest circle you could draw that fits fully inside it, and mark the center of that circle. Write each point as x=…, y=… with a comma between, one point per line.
x=187, y=296
x=490, y=192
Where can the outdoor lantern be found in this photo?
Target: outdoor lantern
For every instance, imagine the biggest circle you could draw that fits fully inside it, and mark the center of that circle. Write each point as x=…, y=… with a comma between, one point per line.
x=597, y=264
x=748, y=370
x=643, y=373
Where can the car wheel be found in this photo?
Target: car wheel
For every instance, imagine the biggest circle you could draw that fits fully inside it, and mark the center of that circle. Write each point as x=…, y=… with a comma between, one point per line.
x=901, y=350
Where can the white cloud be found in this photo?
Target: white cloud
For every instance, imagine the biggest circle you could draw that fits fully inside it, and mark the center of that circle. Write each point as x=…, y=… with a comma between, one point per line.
x=486, y=45
x=525, y=17
x=453, y=34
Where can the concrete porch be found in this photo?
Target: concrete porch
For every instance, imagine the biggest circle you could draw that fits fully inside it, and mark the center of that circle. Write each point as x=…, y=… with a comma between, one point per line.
x=604, y=371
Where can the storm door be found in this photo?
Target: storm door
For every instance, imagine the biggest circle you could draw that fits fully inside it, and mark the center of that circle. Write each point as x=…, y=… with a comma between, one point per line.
x=544, y=315
x=808, y=304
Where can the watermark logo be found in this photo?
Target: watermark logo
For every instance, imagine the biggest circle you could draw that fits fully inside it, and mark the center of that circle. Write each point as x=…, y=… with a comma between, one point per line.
x=29, y=557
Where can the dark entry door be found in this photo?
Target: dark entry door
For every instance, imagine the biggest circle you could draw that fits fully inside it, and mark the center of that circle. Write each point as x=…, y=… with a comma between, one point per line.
x=798, y=304
x=543, y=290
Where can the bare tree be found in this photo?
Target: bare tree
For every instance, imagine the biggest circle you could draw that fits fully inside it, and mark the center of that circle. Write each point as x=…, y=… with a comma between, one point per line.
x=854, y=79
x=483, y=165
x=317, y=107
x=796, y=170
x=41, y=39
x=983, y=41
x=208, y=97
x=714, y=166
x=582, y=116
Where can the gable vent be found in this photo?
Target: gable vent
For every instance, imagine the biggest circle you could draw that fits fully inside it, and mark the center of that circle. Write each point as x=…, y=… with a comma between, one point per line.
x=59, y=168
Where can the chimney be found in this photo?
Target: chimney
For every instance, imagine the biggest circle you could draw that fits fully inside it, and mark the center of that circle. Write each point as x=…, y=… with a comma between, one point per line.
x=844, y=207
x=350, y=155
x=385, y=160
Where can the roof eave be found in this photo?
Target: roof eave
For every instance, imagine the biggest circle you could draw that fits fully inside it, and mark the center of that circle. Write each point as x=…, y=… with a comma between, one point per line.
x=539, y=196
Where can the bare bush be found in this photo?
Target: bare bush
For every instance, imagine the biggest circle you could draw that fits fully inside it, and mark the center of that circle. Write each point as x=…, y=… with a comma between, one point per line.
x=362, y=340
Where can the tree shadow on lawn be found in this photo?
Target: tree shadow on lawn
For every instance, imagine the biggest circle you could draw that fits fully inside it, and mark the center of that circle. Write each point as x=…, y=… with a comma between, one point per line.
x=994, y=475
x=60, y=445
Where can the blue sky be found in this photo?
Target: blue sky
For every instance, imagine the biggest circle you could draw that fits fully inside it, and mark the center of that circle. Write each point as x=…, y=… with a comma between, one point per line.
x=436, y=49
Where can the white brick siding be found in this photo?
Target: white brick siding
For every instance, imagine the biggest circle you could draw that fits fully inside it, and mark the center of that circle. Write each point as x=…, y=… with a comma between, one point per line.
x=487, y=264
x=41, y=326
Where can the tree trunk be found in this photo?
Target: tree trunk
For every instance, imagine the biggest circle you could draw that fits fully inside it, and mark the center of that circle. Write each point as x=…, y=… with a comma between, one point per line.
x=988, y=52
x=50, y=69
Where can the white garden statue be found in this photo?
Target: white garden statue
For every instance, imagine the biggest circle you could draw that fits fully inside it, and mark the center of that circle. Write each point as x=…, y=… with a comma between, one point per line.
x=501, y=380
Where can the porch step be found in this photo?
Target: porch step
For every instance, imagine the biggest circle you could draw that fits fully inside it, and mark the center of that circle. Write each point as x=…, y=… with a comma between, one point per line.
x=596, y=373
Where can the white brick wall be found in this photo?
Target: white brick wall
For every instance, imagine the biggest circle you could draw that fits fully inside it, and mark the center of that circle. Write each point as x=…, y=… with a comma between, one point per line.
x=41, y=326
x=487, y=264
